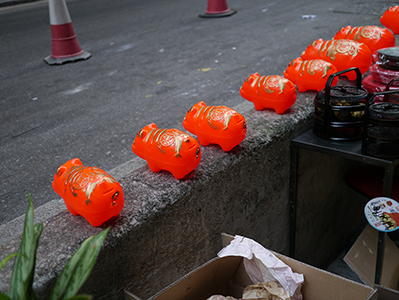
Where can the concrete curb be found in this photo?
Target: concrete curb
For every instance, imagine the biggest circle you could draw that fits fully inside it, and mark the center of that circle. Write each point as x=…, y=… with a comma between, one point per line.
x=155, y=202
x=169, y=226
x=44, y=212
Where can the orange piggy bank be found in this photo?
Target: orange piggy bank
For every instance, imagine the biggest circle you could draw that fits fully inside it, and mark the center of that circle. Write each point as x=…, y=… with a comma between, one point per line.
x=88, y=191
x=310, y=74
x=219, y=125
x=343, y=54
x=373, y=36
x=167, y=149
x=272, y=91
x=390, y=19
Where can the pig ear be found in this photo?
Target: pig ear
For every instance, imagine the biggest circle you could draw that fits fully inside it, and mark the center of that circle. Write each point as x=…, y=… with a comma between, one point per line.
x=193, y=109
x=252, y=77
x=151, y=126
x=346, y=29
x=142, y=133
x=296, y=60
x=76, y=161
x=61, y=170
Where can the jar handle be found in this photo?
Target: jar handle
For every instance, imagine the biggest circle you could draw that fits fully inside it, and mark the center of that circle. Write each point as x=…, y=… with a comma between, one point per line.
x=370, y=99
x=330, y=80
x=387, y=88
x=327, y=91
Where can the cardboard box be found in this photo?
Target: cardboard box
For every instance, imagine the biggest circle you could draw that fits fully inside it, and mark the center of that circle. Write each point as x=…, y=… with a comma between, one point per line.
x=227, y=276
x=362, y=257
x=387, y=294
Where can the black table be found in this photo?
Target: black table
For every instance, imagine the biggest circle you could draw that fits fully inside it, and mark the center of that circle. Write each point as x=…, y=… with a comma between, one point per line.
x=344, y=149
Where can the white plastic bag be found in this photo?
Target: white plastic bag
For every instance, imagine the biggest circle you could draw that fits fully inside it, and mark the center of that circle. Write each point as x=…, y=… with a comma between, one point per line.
x=263, y=266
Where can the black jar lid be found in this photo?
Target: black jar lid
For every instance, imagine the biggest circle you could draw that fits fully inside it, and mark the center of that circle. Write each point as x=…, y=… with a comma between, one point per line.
x=349, y=94
x=388, y=58
x=385, y=110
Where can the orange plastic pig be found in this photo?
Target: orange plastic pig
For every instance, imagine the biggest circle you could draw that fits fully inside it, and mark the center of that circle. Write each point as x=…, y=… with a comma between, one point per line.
x=272, y=91
x=390, y=19
x=373, y=36
x=219, y=125
x=343, y=54
x=88, y=191
x=167, y=149
x=310, y=74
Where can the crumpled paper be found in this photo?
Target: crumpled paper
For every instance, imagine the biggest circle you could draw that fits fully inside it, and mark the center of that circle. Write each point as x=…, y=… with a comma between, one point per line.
x=220, y=297
x=262, y=265
x=260, y=291
x=265, y=291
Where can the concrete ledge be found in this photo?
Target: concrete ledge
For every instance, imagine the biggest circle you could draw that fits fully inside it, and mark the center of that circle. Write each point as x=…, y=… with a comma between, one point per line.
x=168, y=227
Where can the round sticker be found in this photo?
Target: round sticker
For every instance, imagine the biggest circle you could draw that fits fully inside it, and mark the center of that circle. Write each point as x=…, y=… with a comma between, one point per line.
x=383, y=214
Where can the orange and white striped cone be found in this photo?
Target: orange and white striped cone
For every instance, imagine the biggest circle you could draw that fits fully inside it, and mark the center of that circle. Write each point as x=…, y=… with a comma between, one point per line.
x=65, y=45
x=217, y=9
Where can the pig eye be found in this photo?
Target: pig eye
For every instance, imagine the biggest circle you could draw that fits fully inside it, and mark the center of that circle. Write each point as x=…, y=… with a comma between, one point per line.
x=114, y=197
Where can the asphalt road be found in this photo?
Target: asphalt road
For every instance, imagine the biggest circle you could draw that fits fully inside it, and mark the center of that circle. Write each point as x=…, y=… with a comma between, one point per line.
x=151, y=61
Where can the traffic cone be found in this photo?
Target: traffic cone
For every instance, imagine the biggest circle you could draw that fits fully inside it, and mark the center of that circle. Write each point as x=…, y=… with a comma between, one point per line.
x=65, y=45
x=217, y=9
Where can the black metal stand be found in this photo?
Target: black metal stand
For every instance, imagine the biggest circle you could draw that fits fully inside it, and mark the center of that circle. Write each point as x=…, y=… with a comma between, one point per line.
x=345, y=149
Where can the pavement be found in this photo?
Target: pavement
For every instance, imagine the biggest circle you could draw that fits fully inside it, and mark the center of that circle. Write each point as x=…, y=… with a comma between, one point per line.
x=151, y=61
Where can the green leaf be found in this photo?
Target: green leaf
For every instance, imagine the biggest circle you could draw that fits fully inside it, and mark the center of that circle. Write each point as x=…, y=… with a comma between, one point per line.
x=24, y=265
x=4, y=297
x=78, y=268
x=5, y=260
x=85, y=264
x=63, y=280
